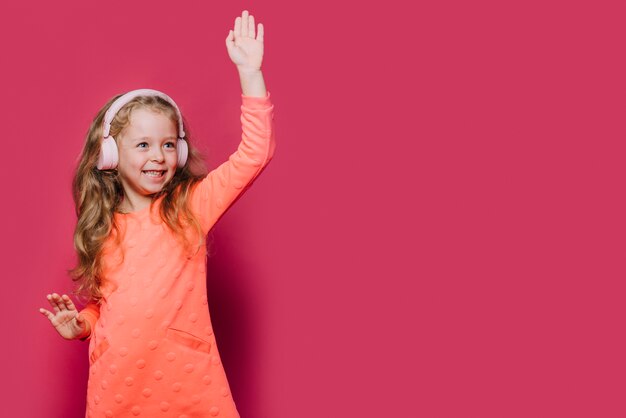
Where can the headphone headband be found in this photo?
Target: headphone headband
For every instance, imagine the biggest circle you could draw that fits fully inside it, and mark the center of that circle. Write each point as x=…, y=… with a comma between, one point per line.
x=109, y=156
x=121, y=101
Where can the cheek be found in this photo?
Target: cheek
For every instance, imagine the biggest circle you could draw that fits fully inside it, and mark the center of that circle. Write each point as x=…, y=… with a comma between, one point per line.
x=129, y=159
x=172, y=159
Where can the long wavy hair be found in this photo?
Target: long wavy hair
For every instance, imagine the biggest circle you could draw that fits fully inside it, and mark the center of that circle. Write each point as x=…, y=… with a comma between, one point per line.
x=98, y=193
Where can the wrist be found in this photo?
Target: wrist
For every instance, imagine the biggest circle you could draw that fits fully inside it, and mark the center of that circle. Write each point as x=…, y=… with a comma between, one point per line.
x=86, y=333
x=246, y=71
x=252, y=83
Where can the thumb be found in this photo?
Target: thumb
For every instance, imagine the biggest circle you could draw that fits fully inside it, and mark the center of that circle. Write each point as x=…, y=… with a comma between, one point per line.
x=79, y=318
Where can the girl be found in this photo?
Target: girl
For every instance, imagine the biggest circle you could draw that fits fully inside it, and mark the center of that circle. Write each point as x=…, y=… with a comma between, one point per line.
x=144, y=209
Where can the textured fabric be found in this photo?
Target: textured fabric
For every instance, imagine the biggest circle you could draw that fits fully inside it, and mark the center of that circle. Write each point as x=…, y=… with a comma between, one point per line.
x=152, y=351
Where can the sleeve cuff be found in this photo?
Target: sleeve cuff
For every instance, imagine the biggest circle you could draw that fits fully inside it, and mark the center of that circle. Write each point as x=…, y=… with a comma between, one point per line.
x=254, y=102
x=91, y=319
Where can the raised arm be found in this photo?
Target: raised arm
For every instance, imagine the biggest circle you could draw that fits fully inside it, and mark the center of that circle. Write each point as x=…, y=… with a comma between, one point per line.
x=212, y=197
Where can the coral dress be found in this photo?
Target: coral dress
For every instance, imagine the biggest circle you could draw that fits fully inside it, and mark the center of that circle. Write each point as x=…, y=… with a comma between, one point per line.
x=152, y=351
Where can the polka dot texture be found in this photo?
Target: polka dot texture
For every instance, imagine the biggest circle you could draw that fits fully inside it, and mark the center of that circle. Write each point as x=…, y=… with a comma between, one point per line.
x=152, y=352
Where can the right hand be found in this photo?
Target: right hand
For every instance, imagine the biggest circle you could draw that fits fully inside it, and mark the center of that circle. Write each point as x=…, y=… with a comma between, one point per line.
x=66, y=319
x=245, y=49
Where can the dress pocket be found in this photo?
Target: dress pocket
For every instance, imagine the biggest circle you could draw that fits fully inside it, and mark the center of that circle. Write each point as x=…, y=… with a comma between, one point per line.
x=188, y=340
x=100, y=349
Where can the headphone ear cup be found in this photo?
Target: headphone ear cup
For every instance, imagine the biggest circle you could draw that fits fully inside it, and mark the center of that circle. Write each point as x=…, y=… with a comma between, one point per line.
x=108, y=154
x=183, y=151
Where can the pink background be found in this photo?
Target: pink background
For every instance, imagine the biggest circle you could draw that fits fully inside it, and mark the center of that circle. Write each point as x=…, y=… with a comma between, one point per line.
x=440, y=234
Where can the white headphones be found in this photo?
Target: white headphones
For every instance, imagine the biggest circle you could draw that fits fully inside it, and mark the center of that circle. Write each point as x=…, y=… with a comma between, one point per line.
x=109, y=156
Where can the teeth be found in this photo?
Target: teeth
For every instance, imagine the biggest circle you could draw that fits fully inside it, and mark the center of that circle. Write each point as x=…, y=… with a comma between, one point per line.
x=153, y=173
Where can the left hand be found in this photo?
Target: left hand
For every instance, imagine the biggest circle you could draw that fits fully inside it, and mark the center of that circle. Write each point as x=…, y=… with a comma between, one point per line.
x=244, y=50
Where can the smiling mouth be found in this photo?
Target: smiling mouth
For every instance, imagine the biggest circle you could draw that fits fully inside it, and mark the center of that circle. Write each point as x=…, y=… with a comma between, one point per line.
x=154, y=173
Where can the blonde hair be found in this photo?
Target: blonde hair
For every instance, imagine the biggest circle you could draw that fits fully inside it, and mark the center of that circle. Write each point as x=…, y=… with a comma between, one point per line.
x=98, y=193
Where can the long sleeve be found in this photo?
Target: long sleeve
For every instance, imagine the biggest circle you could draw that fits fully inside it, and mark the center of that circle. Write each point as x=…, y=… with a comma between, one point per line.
x=224, y=185
x=91, y=312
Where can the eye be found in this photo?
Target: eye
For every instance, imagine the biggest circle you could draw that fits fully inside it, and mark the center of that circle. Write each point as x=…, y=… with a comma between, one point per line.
x=171, y=144
x=143, y=143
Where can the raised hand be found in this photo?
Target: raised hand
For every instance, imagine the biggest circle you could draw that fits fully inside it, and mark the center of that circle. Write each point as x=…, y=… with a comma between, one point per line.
x=245, y=48
x=68, y=323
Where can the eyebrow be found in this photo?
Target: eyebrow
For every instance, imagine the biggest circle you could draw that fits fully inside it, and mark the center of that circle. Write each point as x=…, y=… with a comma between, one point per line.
x=147, y=137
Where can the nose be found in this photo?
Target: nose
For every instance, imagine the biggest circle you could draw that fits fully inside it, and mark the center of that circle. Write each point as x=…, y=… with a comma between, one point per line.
x=157, y=154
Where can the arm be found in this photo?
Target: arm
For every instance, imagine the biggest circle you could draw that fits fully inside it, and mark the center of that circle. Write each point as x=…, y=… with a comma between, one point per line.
x=224, y=185
x=91, y=313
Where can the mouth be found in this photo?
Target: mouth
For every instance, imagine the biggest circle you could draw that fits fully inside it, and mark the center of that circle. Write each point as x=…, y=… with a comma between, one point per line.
x=154, y=173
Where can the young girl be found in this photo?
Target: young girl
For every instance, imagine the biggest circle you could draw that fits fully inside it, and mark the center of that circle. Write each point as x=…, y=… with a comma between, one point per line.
x=144, y=211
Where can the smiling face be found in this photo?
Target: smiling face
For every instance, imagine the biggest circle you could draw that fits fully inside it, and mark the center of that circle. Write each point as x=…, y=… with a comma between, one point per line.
x=147, y=156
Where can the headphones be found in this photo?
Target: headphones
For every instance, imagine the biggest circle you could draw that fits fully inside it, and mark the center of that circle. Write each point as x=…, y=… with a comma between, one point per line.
x=109, y=155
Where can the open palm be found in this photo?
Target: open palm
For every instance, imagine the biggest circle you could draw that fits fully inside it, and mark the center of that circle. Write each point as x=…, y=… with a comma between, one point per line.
x=245, y=48
x=65, y=318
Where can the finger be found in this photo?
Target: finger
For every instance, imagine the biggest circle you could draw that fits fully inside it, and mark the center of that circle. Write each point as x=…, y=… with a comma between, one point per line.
x=51, y=316
x=259, y=35
x=53, y=303
x=46, y=313
x=230, y=41
x=244, y=23
x=60, y=302
x=69, y=303
x=251, y=27
x=238, y=27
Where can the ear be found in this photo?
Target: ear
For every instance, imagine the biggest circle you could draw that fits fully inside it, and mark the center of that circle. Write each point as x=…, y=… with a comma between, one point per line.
x=108, y=154
x=183, y=151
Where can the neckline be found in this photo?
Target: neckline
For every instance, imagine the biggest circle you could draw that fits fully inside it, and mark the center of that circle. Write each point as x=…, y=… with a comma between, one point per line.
x=156, y=203
x=135, y=213
x=140, y=211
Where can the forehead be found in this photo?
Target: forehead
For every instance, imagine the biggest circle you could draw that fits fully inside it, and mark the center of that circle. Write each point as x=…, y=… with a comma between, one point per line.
x=149, y=122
